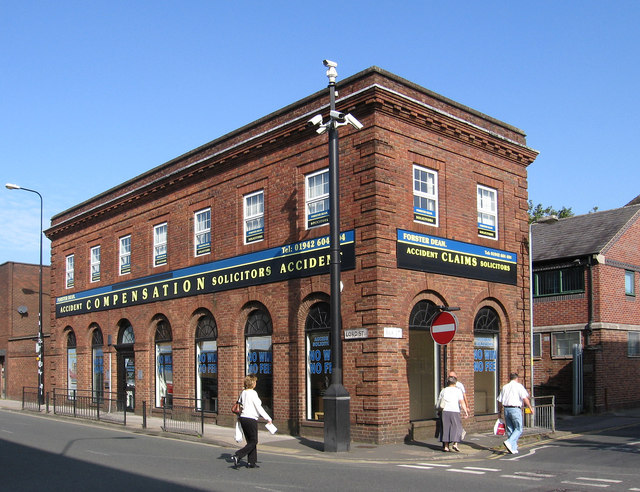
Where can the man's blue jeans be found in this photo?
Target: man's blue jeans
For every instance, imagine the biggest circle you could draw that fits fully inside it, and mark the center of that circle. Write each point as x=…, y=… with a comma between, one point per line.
x=513, y=423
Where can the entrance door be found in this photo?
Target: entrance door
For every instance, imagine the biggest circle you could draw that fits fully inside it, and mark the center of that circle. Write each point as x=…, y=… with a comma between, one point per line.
x=423, y=363
x=126, y=380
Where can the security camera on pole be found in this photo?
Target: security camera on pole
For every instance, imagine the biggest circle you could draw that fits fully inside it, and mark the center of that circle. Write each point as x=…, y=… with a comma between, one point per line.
x=337, y=427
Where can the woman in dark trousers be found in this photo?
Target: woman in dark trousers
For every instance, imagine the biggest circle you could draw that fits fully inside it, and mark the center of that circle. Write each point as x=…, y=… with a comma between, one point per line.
x=251, y=411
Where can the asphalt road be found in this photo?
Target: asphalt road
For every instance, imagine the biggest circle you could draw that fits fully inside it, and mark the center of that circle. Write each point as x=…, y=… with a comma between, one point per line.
x=39, y=453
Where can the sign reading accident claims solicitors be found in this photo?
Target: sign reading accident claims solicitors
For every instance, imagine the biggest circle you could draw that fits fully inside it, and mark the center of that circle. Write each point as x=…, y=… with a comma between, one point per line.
x=434, y=254
x=295, y=260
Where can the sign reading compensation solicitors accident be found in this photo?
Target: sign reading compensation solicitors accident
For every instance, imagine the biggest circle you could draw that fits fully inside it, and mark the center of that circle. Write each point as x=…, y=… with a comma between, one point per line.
x=296, y=260
x=434, y=254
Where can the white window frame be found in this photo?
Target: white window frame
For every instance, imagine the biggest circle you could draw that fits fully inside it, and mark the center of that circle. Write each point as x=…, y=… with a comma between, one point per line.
x=94, y=264
x=316, y=217
x=633, y=344
x=630, y=282
x=160, y=233
x=572, y=337
x=253, y=217
x=487, y=202
x=202, y=233
x=69, y=271
x=124, y=255
x=425, y=189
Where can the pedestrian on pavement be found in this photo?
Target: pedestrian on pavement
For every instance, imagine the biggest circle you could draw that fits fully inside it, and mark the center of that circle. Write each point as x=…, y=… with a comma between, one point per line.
x=512, y=396
x=451, y=402
x=251, y=411
x=461, y=387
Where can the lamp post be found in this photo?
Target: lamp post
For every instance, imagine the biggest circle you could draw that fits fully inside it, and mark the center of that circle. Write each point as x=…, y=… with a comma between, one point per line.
x=337, y=426
x=40, y=343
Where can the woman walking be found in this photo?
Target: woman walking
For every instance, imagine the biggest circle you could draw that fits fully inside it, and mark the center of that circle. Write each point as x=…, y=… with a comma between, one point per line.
x=451, y=401
x=251, y=411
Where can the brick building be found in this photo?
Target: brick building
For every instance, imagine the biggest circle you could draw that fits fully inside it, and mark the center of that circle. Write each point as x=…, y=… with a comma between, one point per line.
x=19, y=287
x=215, y=264
x=585, y=293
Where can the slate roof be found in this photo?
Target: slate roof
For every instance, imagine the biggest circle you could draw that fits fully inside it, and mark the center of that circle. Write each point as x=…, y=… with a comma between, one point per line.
x=581, y=235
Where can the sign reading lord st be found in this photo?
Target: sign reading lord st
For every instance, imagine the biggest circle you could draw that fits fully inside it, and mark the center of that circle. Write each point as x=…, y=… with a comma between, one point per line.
x=434, y=254
x=296, y=260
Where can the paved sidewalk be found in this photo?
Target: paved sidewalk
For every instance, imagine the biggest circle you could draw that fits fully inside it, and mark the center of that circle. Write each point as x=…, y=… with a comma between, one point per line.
x=480, y=444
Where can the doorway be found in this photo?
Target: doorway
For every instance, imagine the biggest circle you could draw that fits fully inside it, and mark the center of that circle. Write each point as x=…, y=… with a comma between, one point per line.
x=424, y=367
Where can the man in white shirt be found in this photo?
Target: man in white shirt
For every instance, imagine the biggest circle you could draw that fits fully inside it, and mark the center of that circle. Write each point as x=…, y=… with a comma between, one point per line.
x=512, y=396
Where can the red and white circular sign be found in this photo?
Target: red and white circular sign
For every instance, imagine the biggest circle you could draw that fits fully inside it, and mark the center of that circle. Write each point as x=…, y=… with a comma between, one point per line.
x=444, y=328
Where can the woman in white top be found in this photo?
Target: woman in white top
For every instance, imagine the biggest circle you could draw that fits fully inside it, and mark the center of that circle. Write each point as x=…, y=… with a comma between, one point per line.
x=251, y=411
x=451, y=401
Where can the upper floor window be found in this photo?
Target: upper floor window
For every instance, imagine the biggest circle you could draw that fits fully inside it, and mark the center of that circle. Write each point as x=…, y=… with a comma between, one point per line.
x=629, y=283
x=125, y=255
x=562, y=343
x=633, y=344
x=254, y=217
x=202, y=232
x=317, y=198
x=487, y=212
x=95, y=264
x=557, y=282
x=70, y=276
x=425, y=196
x=537, y=346
x=160, y=244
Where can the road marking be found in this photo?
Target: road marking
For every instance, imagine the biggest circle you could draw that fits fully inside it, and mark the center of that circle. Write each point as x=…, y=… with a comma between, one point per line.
x=633, y=444
x=6, y=431
x=599, y=479
x=586, y=484
x=97, y=452
x=533, y=474
x=531, y=453
x=435, y=464
x=419, y=467
x=483, y=469
x=521, y=477
x=472, y=472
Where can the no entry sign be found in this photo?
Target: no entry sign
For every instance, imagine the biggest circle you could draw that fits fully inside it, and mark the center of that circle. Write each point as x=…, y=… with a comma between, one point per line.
x=444, y=328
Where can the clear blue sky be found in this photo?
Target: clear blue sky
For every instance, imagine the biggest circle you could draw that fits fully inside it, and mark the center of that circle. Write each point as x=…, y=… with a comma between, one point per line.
x=96, y=92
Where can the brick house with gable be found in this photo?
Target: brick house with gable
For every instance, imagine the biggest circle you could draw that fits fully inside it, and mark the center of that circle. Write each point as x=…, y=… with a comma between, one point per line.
x=586, y=271
x=214, y=265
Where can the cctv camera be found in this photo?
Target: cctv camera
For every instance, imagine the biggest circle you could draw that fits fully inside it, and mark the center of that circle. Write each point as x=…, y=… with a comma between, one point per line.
x=337, y=115
x=349, y=118
x=329, y=63
x=316, y=120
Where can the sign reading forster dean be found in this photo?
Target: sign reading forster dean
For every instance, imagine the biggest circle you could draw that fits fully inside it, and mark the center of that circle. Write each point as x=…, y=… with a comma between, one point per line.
x=296, y=260
x=434, y=254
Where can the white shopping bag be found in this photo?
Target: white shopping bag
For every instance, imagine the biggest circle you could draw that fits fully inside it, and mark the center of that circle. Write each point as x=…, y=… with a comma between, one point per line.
x=271, y=428
x=239, y=434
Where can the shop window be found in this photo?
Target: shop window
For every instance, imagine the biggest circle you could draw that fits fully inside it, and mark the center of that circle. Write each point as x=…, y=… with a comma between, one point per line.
x=425, y=196
x=125, y=255
x=160, y=245
x=126, y=382
x=72, y=365
x=164, y=365
x=95, y=264
x=562, y=343
x=633, y=344
x=561, y=281
x=70, y=275
x=318, y=339
x=207, y=364
x=259, y=355
x=202, y=232
x=629, y=283
x=537, y=346
x=254, y=217
x=97, y=357
x=485, y=360
x=317, y=199
x=487, y=212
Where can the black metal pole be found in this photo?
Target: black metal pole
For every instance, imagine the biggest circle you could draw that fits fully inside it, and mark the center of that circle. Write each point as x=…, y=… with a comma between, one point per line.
x=337, y=430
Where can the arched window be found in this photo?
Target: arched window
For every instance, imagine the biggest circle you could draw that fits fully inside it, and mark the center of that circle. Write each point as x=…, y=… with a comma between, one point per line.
x=259, y=352
x=164, y=364
x=97, y=357
x=127, y=336
x=486, y=330
x=318, y=339
x=207, y=364
x=72, y=365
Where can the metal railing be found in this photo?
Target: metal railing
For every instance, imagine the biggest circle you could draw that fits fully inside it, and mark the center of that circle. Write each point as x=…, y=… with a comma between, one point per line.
x=182, y=416
x=544, y=416
x=30, y=399
x=90, y=405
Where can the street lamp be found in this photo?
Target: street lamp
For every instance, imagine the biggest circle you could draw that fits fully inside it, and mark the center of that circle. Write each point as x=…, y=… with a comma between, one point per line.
x=40, y=344
x=337, y=428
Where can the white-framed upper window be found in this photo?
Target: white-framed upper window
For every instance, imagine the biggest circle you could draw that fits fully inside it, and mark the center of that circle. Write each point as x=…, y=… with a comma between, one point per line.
x=70, y=275
x=125, y=255
x=630, y=283
x=425, y=196
x=537, y=346
x=202, y=232
x=160, y=244
x=95, y=264
x=487, y=212
x=562, y=343
x=633, y=344
x=254, y=217
x=317, y=198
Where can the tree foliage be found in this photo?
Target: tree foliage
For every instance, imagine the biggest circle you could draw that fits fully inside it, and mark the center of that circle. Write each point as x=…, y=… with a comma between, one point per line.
x=539, y=211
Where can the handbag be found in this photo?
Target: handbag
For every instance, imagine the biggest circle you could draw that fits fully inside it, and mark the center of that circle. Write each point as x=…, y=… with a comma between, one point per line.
x=499, y=429
x=237, y=407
